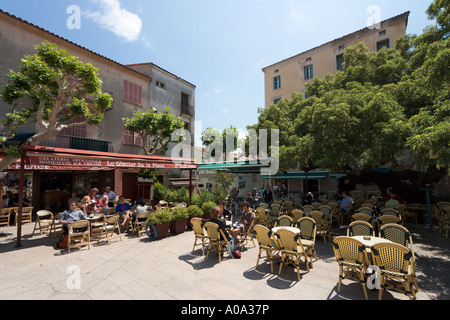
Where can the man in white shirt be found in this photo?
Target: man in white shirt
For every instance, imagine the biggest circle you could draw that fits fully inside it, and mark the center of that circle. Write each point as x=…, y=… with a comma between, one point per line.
x=111, y=196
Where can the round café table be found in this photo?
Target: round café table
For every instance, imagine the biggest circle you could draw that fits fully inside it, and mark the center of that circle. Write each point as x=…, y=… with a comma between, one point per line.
x=293, y=229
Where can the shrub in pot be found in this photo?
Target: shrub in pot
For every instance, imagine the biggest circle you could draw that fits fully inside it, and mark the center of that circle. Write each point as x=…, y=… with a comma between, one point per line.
x=206, y=208
x=193, y=212
x=161, y=220
x=179, y=217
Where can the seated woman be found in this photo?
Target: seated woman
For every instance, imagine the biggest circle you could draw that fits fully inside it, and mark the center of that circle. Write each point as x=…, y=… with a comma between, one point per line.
x=243, y=226
x=141, y=207
x=215, y=218
x=101, y=205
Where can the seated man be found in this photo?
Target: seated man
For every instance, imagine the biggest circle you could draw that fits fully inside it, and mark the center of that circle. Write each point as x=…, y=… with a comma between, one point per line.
x=125, y=209
x=346, y=203
x=71, y=215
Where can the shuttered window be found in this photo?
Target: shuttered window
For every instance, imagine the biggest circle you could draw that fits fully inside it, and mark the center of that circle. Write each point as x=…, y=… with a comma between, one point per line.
x=131, y=138
x=132, y=93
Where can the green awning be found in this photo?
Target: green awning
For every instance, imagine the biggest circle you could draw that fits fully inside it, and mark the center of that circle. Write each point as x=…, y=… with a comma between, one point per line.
x=300, y=175
x=234, y=167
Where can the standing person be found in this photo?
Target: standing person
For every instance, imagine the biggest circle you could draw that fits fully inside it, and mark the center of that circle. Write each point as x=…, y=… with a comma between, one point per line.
x=111, y=196
x=284, y=191
x=244, y=224
x=125, y=210
x=268, y=196
x=276, y=192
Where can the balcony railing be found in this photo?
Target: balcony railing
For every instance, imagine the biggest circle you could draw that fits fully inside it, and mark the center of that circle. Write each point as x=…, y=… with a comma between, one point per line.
x=77, y=143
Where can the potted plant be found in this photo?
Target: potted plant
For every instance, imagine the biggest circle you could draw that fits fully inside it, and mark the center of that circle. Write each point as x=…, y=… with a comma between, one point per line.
x=193, y=212
x=206, y=208
x=179, y=217
x=161, y=220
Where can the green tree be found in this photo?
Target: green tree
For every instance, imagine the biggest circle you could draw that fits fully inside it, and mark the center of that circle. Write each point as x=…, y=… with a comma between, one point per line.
x=155, y=128
x=50, y=89
x=229, y=137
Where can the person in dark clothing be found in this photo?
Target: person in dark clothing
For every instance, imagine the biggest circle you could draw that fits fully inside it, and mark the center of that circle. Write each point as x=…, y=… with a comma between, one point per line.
x=220, y=221
x=268, y=196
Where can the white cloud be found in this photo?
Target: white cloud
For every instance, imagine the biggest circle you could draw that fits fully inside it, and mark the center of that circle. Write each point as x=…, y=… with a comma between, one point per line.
x=111, y=16
x=217, y=91
x=226, y=111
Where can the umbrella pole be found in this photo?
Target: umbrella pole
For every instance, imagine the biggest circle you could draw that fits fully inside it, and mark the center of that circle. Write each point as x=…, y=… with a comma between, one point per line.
x=20, y=206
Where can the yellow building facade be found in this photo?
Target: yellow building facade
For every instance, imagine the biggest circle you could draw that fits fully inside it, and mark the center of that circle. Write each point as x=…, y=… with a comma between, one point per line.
x=290, y=75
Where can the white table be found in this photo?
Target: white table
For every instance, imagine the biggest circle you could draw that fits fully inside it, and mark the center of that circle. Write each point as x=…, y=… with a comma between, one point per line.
x=293, y=229
x=372, y=241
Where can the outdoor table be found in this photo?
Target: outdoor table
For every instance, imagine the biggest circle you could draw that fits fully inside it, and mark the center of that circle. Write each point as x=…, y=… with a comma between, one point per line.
x=293, y=229
x=92, y=219
x=229, y=223
x=370, y=242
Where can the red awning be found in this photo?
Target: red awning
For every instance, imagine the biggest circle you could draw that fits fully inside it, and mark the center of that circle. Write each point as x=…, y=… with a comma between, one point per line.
x=45, y=158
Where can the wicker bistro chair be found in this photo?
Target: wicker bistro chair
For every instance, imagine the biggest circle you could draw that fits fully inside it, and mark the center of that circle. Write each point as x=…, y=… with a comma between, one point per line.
x=297, y=214
x=405, y=214
x=275, y=210
x=264, y=205
x=78, y=238
x=5, y=217
x=444, y=221
x=396, y=265
x=261, y=216
x=217, y=239
x=284, y=221
x=140, y=222
x=308, y=231
x=389, y=212
x=266, y=243
x=292, y=250
x=288, y=206
x=400, y=235
x=361, y=217
x=334, y=211
x=297, y=203
x=307, y=209
x=199, y=232
x=316, y=206
x=360, y=228
x=44, y=221
x=328, y=212
x=247, y=235
x=351, y=256
x=387, y=219
x=110, y=225
x=366, y=210
x=321, y=224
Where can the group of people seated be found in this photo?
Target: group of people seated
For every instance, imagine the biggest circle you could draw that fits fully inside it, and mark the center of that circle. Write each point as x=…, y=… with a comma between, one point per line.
x=219, y=214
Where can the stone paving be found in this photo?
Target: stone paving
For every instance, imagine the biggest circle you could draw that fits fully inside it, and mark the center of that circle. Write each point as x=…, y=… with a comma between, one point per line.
x=141, y=269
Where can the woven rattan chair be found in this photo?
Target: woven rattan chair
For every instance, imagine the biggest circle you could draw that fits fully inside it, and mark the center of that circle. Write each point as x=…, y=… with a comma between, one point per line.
x=291, y=250
x=44, y=221
x=389, y=212
x=288, y=206
x=308, y=231
x=261, y=216
x=5, y=217
x=387, y=219
x=395, y=263
x=297, y=203
x=400, y=235
x=217, y=239
x=266, y=244
x=264, y=205
x=140, y=222
x=405, y=214
x=360, y=228
x=328, y=212
x=366, y=210
x=361, y=217
x=335, y=211
x=199, y=232
x=78, y=238
x=275, y=211
x=110, y=225
x=357, y=203
x=321, y=224
x=351, y=256
x=247, y=235
x=297, y=214
x=444, y=221
x=284, y=221
x=316, y=206
x=307, y=208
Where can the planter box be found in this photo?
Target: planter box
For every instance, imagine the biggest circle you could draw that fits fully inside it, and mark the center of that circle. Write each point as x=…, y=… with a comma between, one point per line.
x=178, y=226
x=162, y=230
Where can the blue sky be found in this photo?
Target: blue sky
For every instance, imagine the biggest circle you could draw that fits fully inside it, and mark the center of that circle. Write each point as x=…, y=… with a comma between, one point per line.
x=220, y=46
